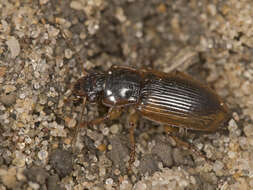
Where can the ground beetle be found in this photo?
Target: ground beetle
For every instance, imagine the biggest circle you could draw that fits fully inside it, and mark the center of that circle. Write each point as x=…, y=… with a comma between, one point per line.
x=171, y=99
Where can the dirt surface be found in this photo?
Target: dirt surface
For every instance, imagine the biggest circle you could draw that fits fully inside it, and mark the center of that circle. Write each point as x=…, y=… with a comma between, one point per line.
x=46, y=45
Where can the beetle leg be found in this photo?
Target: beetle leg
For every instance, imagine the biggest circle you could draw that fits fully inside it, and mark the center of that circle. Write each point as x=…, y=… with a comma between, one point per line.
x=171, y=132
x=85, y=73
x=113, y=113
x=169, y=129
x=132, y=122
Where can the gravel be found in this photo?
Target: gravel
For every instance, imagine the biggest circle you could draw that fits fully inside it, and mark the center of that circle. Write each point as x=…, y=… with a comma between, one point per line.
x=46, y=45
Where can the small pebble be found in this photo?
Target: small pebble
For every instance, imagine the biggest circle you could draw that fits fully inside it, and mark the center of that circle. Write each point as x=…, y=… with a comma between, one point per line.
x=117, y=172
x=61, y=160
x=101, y=147
x=68, y=53
x=8, y=100
x=19, y=159
x=71, y=123
x=34, y=186
x=43, y=155
x=2, y=71
x=76, y=5
x=114, y=129
x=109, y=181
x=43, y=2
x=9, y=88
x=14, y=46
x=248, y=130
x=218, y=168
x=22, y=95
x=212, y=9
x=8, y=177
x=21, y=146
x=105, y=131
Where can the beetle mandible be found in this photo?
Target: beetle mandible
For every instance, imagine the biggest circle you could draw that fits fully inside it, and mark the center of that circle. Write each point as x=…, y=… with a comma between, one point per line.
x=170, y=99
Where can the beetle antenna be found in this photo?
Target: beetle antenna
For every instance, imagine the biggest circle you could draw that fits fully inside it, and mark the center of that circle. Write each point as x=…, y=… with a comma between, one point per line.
x=87, y=117
x=79, y=123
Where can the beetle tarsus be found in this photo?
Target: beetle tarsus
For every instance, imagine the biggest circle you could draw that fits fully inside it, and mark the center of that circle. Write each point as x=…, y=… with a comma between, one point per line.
x=170, y=131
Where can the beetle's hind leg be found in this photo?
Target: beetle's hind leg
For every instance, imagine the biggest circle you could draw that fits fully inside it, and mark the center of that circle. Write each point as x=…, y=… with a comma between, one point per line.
x=171, y=131
x=132, y=122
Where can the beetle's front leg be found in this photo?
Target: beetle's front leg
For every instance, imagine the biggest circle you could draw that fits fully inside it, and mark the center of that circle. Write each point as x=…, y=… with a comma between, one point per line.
x=132, y=122
x=113, y=113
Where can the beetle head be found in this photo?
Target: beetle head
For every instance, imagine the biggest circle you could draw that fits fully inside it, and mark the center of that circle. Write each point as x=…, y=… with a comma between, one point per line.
x=90, y=86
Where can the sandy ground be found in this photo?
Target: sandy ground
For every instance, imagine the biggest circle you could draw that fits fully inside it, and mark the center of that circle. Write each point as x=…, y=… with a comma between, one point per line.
x=46, y=45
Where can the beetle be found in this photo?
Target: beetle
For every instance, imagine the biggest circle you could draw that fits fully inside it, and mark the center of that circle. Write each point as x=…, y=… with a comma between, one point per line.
x=170, y=99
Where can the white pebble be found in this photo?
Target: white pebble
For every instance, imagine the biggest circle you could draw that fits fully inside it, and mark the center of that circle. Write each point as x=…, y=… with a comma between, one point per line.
x=42, y=155
x=14, y=46
x=109, y=181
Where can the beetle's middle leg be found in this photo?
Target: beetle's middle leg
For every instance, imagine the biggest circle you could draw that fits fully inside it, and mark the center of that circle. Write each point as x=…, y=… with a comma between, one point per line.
x=132, y=122
x=171, y=131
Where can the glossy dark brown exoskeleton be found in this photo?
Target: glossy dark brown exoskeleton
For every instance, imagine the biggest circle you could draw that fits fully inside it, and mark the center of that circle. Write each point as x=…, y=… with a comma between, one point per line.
x=171, y=99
